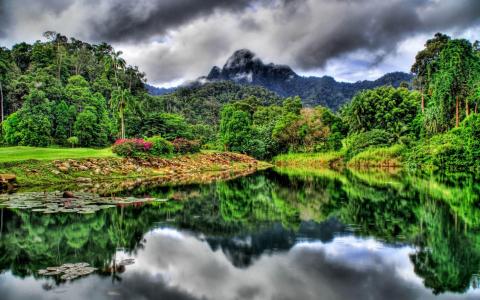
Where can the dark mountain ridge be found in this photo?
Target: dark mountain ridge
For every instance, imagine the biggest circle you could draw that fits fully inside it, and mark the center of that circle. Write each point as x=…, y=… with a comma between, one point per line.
x=243, y=67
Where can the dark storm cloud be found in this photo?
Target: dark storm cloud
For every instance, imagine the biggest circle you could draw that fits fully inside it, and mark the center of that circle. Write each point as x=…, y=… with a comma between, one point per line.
x=380, y=26
x=129, y=21
x=181, y=39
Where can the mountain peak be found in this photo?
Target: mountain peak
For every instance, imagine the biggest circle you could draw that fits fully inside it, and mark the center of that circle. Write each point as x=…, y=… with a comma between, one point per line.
x=239, y=59
x=244, y=66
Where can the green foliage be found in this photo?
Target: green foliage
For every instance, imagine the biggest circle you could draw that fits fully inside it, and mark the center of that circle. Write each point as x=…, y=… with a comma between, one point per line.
x=160, y=146
x=11, y=133
x=379, y=157
x=169, y=126
x=358, y=142
x=64, y=117
x=84, y=127
x=426, y=60
x=184, y=146
x=31, y=125
x=56, y=82
x=204, y=133
x=202, y=104
x=454, y=83
x=455, y=150
x=265, y=131
x=73, y=141
x=384, y=108
x=137, y=148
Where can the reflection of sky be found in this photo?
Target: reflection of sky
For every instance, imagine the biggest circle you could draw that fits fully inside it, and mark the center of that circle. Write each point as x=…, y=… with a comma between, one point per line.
x=177, y=265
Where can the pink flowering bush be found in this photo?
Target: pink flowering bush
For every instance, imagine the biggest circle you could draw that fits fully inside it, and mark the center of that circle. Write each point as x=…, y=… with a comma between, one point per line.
x=184, y=146
x=132, y=147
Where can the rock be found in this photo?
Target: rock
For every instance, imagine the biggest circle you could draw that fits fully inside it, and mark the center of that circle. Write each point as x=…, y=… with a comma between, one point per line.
x=68, y=194
x=64, y=168
x=56, y=172
x=83, y=180
x=7, y=181
x=8, y=178
x=83, y=168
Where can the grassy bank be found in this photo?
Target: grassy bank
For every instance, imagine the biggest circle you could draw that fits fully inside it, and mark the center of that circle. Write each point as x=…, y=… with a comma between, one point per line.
x=383, y=157
x=103, y=166
x=13, y=154
x=320, y=160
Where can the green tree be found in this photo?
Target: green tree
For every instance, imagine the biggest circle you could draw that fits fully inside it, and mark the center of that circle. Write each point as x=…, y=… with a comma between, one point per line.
x=64, y=117
x=85, y=127
x=31, y=125
x=385, y=108
x=237, y=133
x=426, y=63
x=121, y=100
x=453, y=83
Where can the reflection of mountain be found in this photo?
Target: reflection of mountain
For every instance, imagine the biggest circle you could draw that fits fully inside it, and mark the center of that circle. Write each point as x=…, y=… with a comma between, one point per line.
x=243, y=249
x=266, y=213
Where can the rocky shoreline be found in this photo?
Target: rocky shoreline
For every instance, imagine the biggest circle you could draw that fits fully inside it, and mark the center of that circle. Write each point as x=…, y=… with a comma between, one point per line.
x=201, y=167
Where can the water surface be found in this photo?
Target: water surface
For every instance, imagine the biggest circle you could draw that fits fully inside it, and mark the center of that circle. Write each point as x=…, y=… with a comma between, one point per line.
x=285, y=234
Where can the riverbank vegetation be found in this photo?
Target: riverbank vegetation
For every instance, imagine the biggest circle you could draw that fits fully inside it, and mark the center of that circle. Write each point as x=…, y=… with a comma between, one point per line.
x=93, y=170
x=65, y=92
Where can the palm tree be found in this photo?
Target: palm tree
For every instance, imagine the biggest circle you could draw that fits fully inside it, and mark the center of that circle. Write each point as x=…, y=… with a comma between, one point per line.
x=3, y=69
x=120, y=101
x=118, y=63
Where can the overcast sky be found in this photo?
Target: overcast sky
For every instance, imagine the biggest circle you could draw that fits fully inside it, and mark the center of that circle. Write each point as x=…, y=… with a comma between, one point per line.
x=176, y=40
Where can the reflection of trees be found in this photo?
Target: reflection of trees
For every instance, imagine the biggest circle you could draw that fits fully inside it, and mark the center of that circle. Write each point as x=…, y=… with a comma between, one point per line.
x=450, y=253
x=31, y=241
x=439, y=215
x=257, y=214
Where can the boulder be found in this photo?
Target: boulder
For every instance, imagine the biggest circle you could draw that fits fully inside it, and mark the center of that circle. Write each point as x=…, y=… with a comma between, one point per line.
x=8, y=178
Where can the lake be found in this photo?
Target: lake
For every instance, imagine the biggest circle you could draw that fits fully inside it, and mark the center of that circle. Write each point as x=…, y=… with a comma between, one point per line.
x=276, y=234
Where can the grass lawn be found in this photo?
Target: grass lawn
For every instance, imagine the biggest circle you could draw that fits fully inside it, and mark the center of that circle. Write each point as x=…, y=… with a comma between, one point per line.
x=9, y=154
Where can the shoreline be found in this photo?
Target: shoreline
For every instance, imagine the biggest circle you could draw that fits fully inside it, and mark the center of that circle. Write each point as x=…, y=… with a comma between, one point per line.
x=192, y=168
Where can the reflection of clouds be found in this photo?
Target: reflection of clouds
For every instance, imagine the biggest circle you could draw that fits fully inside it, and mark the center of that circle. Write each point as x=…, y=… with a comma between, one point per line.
x=177, y=265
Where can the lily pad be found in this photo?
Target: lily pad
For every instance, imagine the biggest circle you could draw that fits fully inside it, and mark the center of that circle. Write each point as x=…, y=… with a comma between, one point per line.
x=68, y=271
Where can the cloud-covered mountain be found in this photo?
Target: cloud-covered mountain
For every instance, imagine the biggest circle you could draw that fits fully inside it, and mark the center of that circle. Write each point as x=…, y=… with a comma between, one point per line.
x=244, y=67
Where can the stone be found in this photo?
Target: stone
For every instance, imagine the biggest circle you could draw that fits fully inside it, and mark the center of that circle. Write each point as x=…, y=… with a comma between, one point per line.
x=8, y=178
x=64, y=168
x=68, y=194
x=83, y=180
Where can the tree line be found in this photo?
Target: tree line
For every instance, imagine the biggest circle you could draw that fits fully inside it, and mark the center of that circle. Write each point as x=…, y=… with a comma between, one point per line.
x=64, y=91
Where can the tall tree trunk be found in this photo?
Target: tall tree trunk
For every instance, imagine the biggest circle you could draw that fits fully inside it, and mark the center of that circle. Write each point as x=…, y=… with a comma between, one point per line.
x=457, y=112
x=1, y=103
x=476, y=107
x=467, y=108
x=122, y=133
x=423, y=103
x=59, y=61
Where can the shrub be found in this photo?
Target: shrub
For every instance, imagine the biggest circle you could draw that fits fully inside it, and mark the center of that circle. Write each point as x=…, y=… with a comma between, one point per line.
x=160, y=146
x=358, y=142
x=455, y=150
x=183, y=146
x=132, y=147
x=379, y=157
x=73, y=141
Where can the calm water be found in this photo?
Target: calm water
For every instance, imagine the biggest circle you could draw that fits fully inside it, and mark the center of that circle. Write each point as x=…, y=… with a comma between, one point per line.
x=273, y=235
